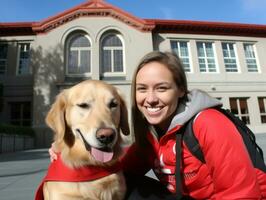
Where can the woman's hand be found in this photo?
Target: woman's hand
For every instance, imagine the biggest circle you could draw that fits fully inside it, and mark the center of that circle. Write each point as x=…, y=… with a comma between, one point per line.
x=52, y=152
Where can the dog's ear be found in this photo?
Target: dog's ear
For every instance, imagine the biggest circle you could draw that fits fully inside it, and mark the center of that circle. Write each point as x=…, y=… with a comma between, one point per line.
x=55, y=118
x=124, y=126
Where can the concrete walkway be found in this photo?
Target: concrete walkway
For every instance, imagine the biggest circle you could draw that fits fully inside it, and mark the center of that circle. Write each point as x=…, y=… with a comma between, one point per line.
x=22, y=172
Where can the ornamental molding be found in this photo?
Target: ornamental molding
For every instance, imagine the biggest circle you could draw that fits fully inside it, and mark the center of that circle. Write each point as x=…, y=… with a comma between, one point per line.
x=92, y=9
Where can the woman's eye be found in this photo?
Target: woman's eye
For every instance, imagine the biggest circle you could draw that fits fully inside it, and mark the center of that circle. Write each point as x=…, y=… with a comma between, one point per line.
x=140, y=89
x=162, y=89
x=113, y=104
x=83, y=105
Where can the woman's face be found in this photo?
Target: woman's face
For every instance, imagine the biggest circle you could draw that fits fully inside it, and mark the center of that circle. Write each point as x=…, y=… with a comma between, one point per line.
x=157, y=94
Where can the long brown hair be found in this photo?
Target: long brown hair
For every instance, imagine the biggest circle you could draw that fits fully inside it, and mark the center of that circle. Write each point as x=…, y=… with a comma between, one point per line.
x=173, y=63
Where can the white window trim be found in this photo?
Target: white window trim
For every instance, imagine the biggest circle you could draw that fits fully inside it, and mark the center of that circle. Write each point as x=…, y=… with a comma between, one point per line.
x=240, y=115
x=205, y=57
x=256, y=57
x=87, y=74
x=230, y=57
x=189, y=52
x=18, y=59
x=263, y=113
x=113, y=74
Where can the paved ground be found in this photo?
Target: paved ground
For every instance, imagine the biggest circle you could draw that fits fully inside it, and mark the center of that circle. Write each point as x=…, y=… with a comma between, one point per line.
x=21, y=172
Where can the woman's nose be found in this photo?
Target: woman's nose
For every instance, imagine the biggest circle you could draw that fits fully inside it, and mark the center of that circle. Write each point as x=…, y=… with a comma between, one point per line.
x=151, y=97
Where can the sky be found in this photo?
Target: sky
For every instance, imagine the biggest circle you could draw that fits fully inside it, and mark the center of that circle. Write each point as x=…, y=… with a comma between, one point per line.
x=238, y=11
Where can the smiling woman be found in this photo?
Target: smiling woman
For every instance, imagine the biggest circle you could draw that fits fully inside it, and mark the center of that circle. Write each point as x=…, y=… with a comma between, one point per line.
x=161, y=107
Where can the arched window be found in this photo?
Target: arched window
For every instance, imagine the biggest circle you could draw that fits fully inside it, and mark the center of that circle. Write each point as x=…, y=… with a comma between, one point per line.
x=78, y=54
x=112, y=54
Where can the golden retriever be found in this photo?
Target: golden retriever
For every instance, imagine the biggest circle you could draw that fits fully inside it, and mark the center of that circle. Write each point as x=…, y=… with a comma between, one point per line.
x=87, y=120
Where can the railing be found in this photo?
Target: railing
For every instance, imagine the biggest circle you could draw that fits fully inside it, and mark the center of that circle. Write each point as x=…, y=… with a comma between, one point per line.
x=12, y=143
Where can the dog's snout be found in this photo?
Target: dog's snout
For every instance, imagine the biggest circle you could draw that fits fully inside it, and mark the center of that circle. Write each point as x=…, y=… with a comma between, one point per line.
x=105, y=135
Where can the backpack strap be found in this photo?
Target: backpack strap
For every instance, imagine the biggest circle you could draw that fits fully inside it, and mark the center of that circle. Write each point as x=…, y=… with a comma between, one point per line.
x=186, y=133
x=191, y=141
x=178, y=178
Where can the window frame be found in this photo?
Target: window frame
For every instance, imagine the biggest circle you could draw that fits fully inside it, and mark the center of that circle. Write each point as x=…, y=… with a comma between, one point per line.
x=262, y=114
x=112, y=49
x=216, y=67
x=230, y=57
x=79, y=49
x=251, y=58
x=21, y=112
x=5, y=60
x=188, y=69
x=240, y=115
x=18, y=73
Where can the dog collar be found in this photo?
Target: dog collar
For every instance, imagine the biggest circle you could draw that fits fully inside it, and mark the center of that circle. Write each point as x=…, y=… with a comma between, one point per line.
x=58, y=171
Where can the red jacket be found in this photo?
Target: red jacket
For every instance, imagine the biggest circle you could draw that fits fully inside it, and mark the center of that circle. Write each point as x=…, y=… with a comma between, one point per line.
x=58, y=171
x=227, y=174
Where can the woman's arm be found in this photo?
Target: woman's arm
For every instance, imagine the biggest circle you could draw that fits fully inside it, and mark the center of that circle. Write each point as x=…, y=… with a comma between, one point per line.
x=226, y=157
x=136, y=161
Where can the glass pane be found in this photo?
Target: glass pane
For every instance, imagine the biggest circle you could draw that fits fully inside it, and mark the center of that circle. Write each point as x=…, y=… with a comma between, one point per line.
x=107, y=67
x=233, y=105
x=249, y=52
x=225, y=51
x=3, y=51
x=243, y=106
x=245, y=119
x=2, y=66
x=118, y=61
x=212, y=68
x=26, y=111
x=261, y=101
x=80, y=41
x=183, y=49
x=263, y=119
x=111, y=41
x=174, y=46
x=84, y=61
x=20, y=113
x=203, y=68
x=24, y=60
x=209, y=50
x=73, y=62
x=26, y=123
x=15, y=111
x=200, y=49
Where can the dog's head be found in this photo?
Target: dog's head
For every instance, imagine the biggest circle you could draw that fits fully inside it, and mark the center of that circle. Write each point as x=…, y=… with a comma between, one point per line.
x=87, y=120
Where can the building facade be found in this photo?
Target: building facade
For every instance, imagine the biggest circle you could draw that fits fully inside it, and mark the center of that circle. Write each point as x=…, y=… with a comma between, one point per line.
x=96, y=40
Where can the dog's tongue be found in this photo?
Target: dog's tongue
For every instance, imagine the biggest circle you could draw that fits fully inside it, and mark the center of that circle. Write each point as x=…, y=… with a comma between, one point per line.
x=101, y=156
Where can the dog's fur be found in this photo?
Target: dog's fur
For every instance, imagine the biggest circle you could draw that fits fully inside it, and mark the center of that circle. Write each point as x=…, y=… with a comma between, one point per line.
x=88, y=108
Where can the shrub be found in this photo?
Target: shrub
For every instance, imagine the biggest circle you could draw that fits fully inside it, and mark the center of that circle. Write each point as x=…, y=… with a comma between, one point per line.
x=16, y=130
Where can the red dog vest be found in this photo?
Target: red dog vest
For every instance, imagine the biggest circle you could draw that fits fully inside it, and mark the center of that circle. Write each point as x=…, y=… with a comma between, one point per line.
x=58, y=171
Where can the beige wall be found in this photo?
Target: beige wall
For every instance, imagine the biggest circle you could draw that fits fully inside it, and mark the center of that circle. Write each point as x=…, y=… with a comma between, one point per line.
x=49, y=59
x=224, y=84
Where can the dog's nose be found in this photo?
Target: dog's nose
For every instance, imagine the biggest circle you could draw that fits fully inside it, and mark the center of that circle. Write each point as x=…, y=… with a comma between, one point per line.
x=105, y=135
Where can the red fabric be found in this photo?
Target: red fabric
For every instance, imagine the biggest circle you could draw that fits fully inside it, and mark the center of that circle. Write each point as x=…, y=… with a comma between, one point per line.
x=228, y=172
x=58, y=171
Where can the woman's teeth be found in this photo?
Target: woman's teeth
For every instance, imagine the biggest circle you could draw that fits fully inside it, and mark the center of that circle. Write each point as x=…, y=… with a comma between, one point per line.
x=153, y=109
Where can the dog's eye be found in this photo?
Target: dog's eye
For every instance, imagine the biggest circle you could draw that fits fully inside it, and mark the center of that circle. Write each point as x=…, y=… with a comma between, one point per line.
x=113, y=103
x=83, y=105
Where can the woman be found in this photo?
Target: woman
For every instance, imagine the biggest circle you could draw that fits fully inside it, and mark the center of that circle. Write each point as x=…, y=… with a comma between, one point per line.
x=161, y=105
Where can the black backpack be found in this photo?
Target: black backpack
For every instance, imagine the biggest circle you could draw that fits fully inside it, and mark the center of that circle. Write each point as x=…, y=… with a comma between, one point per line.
x=187, y=134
